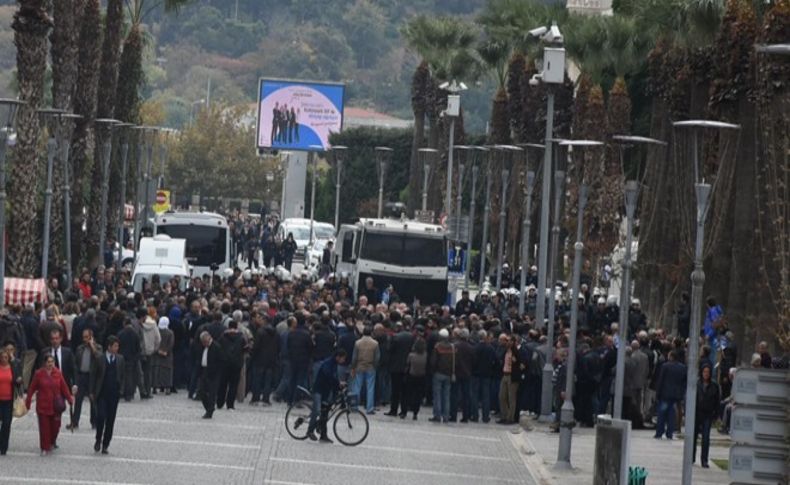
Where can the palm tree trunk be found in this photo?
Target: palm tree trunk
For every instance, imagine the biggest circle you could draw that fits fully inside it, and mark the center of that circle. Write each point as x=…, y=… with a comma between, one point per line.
x=31, y=25
x=85, y=101
x=108, y=82
x=64, y=51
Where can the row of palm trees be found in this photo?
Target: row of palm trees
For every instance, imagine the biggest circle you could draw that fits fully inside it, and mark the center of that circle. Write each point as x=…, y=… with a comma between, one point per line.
x=96, y=66
x=651, y=63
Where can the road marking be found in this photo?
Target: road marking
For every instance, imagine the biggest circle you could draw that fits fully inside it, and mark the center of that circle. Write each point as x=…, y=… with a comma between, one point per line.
x=162, y=440
x=60, y=480
x=97, y=459
x=423, y=452
x=282, y=482
x=190, y=423
x=442, y=433
x=393, y=470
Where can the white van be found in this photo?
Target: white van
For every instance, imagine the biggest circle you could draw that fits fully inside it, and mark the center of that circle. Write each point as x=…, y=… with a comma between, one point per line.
x=163, y=257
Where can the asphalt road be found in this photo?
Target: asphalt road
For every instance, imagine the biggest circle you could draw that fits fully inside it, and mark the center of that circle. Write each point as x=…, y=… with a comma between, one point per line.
x=164, y=441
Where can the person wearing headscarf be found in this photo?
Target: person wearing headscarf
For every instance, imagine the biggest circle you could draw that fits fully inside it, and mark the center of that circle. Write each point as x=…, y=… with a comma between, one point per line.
x=162, y=359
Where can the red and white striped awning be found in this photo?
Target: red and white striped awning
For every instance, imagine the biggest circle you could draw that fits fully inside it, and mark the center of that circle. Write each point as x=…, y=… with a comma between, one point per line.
x=128, y=212
x=20, y=291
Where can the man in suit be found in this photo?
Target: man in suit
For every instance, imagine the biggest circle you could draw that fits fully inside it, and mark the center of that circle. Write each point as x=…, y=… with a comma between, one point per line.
x=400, y=346
x=210, y=371
x=88, y=353
x=670, y=388
x=64, y=359
x=106, y=385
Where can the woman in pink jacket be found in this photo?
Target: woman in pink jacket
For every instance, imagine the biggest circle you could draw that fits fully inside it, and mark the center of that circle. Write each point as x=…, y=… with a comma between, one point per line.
x=51, y=395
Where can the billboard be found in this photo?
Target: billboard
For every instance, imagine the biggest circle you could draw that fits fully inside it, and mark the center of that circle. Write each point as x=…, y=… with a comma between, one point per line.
x=295, y=115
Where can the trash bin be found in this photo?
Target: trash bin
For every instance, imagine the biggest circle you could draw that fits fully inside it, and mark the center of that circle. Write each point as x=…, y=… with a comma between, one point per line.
x=637, y=475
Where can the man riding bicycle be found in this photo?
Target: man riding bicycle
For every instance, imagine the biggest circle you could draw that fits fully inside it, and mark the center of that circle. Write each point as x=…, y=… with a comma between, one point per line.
x=325, y=386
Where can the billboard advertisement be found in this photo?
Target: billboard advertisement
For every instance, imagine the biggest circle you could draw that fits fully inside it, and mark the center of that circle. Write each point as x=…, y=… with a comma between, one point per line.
x=295, y=115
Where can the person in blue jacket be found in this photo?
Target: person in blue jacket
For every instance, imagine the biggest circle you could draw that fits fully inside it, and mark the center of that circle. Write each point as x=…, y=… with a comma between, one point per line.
x=325, y=387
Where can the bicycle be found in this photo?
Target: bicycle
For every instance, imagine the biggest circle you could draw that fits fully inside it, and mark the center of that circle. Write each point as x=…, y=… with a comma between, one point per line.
x=350, y=425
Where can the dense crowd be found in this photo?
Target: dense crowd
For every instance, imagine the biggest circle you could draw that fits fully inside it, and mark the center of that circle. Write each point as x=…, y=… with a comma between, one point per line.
x=257, y=335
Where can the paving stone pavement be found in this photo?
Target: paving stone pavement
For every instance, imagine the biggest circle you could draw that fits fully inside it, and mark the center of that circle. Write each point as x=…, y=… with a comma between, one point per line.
x=164, y=441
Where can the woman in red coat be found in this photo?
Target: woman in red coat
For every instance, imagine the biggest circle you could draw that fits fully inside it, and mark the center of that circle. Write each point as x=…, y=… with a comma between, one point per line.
x=51, y=390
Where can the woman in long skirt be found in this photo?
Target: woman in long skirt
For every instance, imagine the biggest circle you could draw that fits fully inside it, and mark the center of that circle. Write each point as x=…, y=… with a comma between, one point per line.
x=163, y=359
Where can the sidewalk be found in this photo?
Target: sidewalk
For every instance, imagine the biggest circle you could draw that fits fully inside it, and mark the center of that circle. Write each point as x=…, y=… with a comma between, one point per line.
x=662, y=459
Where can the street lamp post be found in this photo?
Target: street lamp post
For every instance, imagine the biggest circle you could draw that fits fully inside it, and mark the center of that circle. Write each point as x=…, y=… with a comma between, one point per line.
x=427, y=167
x=338, y=152
x=631, y=193
x=472, y=207
x=459, y=196
x=314, y=158
x=124, y=171
x=702, y=191
x=52, y=147
x=105, y=176
x=7, y=138
x=153, y=130
x=526, y=228
x=550, y=291
x=566, y=413
x=489, y=153
x=383, y=157
x=453, y=110
x=64, y=144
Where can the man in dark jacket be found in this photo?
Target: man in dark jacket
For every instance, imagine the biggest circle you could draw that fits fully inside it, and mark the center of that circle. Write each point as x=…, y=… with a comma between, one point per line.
x=300, y=348
x=465, y=306
x=265, y=350
x=400, y=346
x=483, y=371
x=588, y=378
x=210, y=363
x=130, y=350
x=670, y=389
x=464, y=361
x=232, y=344
x=106, y=386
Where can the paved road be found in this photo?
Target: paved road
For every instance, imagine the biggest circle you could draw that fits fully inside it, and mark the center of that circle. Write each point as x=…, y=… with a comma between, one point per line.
x=164, y=441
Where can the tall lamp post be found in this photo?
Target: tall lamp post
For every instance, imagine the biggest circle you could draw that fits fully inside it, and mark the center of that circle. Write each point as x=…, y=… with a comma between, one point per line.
x=152, y=131
x=475, y=169
x=64, y=144
x=553, y=73
x=107, y=124
x=489, y=152
x=338, y=153
x=383, y=158
x=526, y=226
x=124, y=174
x=633, y=177
x=559, y=191
x=52, y=147
x=428, y=155
x=566, y=413
x=314, y=149
x=453, y=111
x=459, y=196
x=702, y=191
x=7, y=139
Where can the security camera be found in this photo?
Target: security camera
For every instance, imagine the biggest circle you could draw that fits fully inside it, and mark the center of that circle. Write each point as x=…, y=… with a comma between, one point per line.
x=538, y=32
x=536, y=79
x=553, y=36
x=444, y=85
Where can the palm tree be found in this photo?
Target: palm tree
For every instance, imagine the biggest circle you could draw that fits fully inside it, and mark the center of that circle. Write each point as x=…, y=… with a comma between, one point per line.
x=85, y=100
x=64, y=52
x=421, y=83
x=31, y=25
x=108, y=81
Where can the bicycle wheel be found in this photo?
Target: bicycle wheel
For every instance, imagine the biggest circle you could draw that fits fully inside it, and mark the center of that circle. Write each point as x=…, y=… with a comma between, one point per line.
x=351, y=427
x=297, y=419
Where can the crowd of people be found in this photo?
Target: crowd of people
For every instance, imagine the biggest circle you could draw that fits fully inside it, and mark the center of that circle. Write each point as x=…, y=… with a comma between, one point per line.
x=257, y=336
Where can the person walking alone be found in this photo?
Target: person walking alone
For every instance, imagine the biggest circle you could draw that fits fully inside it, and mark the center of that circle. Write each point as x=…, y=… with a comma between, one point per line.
x=51, y=392
x=708, y=399
x=106, y=386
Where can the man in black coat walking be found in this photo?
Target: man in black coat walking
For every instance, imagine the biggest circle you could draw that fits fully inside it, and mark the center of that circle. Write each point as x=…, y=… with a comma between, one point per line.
x=265, y=350
x=106, y=385
x=210, y=371
x=670, y=390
